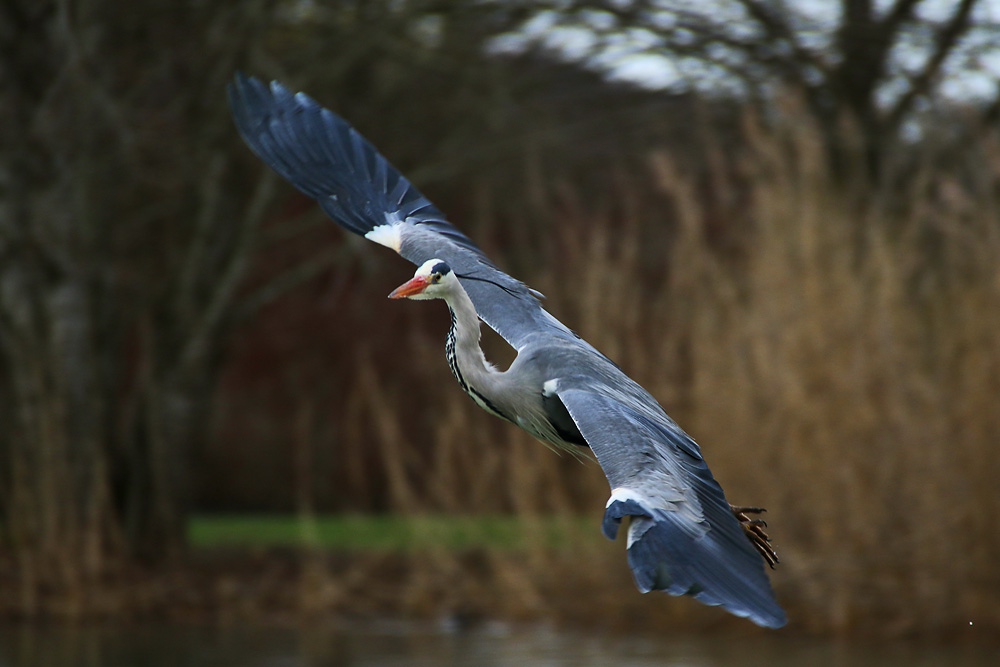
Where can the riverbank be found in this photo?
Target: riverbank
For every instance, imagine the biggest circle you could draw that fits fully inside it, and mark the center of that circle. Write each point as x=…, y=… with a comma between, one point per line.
x=461, y=579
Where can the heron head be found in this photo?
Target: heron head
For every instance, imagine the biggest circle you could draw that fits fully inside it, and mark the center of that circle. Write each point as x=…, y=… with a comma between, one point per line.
x=433, y=280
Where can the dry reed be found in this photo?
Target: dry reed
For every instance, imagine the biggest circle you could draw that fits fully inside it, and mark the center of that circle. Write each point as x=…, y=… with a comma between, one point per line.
x=842, y=370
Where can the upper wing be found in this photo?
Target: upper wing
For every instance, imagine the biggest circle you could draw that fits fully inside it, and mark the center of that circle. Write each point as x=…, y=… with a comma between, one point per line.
x=327, y=159
x=683, y=537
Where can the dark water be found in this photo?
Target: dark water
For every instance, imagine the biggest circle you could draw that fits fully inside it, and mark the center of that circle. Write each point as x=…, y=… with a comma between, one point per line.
x=392, y=644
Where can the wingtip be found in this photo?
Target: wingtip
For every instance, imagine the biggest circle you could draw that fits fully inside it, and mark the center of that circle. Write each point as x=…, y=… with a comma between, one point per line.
x=245, y=93
x=772, y=617
x=773, y=621
x=240, y=84
x=765, y=613
x=665, y=555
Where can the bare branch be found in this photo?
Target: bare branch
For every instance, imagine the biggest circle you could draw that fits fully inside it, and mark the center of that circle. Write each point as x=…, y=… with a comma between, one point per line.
x=188, y=290
x=288, y=280
x=224, y=287
x=778, y=28
x=900, y=13
x=944, y=43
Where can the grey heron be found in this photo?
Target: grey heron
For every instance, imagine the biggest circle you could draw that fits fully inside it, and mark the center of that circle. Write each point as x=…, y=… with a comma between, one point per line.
x=683, y=537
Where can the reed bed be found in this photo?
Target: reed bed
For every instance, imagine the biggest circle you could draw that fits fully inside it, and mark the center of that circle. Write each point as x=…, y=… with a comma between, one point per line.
x=837, y=358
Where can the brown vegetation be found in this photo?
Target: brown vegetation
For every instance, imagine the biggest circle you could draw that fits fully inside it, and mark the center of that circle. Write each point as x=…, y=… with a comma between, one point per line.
x=832, y=344
x=838, y=362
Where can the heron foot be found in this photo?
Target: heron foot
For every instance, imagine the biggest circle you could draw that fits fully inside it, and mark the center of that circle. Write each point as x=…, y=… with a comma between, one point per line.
x=754, y=530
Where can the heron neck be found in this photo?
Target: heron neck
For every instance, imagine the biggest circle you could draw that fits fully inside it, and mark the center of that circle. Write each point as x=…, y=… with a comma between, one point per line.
x=465, y=357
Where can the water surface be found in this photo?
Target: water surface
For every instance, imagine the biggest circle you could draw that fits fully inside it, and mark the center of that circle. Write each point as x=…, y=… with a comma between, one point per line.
x=391, y=644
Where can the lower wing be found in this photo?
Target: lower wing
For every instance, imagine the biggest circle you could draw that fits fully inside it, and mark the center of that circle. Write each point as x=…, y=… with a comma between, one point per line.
x=682, y=535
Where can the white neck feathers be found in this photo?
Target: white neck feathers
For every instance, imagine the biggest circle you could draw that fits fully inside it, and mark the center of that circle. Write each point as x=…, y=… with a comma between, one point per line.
x=473, y=368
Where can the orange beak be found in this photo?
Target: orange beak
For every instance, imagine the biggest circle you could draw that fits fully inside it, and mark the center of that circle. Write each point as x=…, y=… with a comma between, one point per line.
x=416, y=285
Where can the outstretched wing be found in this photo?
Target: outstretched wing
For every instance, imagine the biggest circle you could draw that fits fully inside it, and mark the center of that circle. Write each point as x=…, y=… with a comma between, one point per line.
x=327, y=159
x=682, y=535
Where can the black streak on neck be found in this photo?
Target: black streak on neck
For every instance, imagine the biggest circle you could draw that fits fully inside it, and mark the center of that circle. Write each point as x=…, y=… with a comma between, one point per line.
x=449, y=351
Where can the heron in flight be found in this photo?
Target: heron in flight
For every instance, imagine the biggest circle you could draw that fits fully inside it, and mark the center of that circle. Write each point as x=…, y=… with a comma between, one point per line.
x=683, y=535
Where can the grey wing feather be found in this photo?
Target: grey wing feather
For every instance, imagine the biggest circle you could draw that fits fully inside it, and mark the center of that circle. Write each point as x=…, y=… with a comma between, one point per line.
x=683, y=537
x=324, y=157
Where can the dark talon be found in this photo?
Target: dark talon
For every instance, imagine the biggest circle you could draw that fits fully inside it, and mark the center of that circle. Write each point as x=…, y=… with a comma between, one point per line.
x=754, y=530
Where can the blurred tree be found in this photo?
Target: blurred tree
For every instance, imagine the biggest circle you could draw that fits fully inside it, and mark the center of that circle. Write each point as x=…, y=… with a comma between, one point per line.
x=874, y=64
x=129, y=245
x=124, y=236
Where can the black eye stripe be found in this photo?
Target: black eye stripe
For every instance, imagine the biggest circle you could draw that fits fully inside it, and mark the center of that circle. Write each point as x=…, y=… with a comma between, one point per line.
x=441, y=268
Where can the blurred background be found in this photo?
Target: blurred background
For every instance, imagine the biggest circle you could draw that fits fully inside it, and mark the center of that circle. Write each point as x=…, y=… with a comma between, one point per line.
x=782, y=217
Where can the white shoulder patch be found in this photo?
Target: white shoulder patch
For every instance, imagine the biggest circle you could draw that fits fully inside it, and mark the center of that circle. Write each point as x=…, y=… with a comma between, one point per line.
x=388, y=235
x=550, y=387
x=622, y=493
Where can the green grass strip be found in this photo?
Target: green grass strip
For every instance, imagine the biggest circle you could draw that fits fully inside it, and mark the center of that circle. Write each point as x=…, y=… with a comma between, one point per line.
x=388, y=533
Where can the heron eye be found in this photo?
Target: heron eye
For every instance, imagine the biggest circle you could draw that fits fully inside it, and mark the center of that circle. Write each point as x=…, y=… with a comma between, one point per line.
x=436, y=278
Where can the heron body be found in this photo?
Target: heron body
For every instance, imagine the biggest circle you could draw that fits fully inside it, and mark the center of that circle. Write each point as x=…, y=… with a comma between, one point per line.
x=683, y=537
